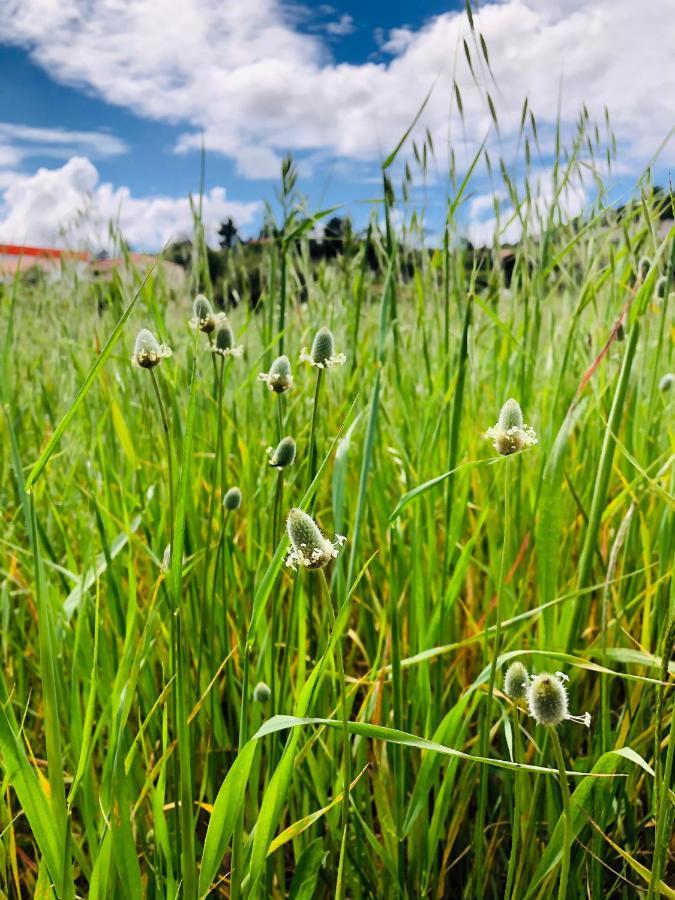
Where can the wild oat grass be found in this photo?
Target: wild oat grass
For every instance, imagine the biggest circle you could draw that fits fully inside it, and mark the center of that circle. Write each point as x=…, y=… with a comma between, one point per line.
x=145, y=604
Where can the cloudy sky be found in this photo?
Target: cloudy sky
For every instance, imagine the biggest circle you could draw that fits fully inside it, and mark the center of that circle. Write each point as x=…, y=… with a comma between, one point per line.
x=105, y=103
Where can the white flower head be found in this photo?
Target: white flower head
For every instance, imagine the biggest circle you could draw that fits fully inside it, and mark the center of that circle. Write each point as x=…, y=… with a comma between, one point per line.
x=148, y=352
x=515, y=681
x=322, y=354
x=547, y=701
x=309, y=548
x=203, y=317
x=279, y=378
x=224, y=343
x=510, y=434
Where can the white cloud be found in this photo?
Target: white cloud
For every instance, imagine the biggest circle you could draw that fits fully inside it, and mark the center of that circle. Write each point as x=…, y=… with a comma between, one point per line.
x=507, y=227
x=245, y=75
x=68, y=206
x=340, y=27
x=31, y=140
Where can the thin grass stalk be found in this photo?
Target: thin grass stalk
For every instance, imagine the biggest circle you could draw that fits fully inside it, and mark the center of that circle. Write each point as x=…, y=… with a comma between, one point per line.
x=567, y=812
x=312, y=433
x=346, y=754
x=487, y=715
x=602, y=479
x=517, y=790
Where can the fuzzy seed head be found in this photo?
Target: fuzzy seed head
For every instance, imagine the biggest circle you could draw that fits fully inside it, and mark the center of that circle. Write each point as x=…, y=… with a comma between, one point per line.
x=309, y=548
x=322, y=355
x=322, y=346
x=261, y=692
x=511, y=415
x=666, y=382
x=148, y=352
x=284, y=453
x=515, y=681
x=203, y=317
x=224, y=343
x=232, y=499
x=279, y=378
x=547, y=700
x=510, y=434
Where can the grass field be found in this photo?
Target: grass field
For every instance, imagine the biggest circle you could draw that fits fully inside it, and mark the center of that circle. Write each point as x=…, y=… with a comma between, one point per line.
x=207, y=719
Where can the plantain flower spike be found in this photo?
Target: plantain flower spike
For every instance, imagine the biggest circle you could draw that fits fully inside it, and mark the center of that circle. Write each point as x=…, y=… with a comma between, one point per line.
x=309, y=548
x=666, y=382
x=283, y=454
x=148, y=352
x=510, y=434
x=279, y=378
x=515, y=681
x=322, y=354
x=203, y=317
x=547, y=701
x=232, y=499
x=224, y=343
x=261, y=692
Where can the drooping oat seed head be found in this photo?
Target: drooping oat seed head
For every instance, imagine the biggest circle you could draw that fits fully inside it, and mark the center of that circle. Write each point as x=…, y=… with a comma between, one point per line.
x=283, y=454
x=322, y=354
x=224, y=343
x=547, y=701
x=309, y=548
x=148, y=352
x=279, y=378
x=261, y=692
x=515, y=681
x=232, y=499
x=510, y=434
x=203, y=317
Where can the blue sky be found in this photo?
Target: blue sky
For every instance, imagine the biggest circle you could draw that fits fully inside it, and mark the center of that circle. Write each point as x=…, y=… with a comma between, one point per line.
x=103, y=110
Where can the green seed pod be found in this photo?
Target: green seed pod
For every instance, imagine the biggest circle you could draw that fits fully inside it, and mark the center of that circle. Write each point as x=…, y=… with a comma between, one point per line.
x=547, y=700
x=148, y=352
x=666, y=382
x=232, y=499
x=224, y=338
x=511, y=415
x=202, y=314
x=279, y=378
x=310, y=548
x=515, y=681
x=322, y=346
x=284, y=453
x=261, y=692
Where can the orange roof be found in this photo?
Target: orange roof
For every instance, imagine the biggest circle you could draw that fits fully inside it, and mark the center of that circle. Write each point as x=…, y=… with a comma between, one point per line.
x=49, y=252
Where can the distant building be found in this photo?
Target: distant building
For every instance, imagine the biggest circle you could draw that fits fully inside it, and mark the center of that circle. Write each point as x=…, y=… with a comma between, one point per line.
x=137, y=264
x=20, y=258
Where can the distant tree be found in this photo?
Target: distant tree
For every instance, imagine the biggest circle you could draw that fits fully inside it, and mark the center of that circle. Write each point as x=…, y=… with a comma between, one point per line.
x=179, y=252
x=229, y=234
x=333, y=237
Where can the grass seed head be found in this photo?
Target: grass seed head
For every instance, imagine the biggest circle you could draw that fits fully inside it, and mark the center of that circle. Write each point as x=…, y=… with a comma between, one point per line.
x=224, y=342
x=203, y=316
x=309, y=548
x=515, y=681
x=283, y=454
x=279, y=378
x=666, y=382
x=232, y=499
x=510, y=434
x=261, y=692
x=547, y=701
x=148, y=352
x=322, y=354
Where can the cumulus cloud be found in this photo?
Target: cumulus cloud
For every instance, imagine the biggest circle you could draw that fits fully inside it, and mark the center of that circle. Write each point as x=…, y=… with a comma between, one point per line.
x=247, y=76
x=69, y=206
